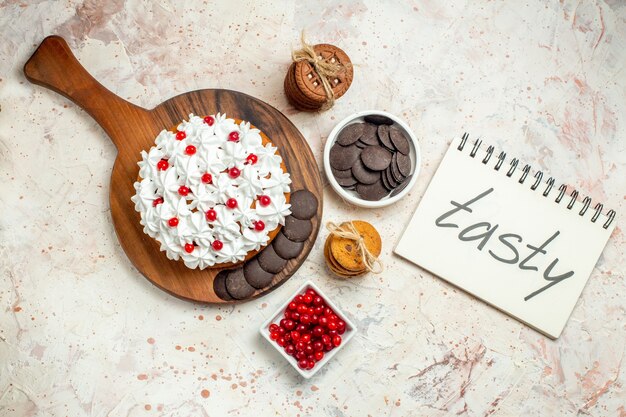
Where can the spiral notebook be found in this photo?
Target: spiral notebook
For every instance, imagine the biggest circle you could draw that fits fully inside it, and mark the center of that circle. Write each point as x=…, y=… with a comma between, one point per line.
x=510, y=236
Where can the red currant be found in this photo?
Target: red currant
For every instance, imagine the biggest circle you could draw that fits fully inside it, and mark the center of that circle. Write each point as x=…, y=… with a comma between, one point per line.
x=290, y=349
x=252, y=159
x=311, y=292
x=280, y=341
x=314, y=318
x=189, y=247
x=182, y=190
x=306, y=338
x=300, y=355
x=231, y=203
x=298, y=299
x=281, y=331
x=157, y=201
x=302, y=309
x=303, y=364
x=319, y=355
x=209, y=120
x=211, y=215
x=173, y=222
x=302, y=328
x=307, y=299
x=318, y=301
x=295, y=316
x=323, y=321
x=162, y=165
x=336, y=340
x=308, y=349
x=190, y=150
x=259, y=226
x=318, y=331
x=265, y=201
x=295, y=335
x=311, y=365
x=273, y=327
x=328, y=348
x=300, y=345
x=217, y=244
x=207, y=178
x=234, y=172
x=326, y=339
x=318, y=346
x=319, y=310
x=292, y=306
x=332, y=325
x=273, y=335
x=233, y=136
x=180, y=135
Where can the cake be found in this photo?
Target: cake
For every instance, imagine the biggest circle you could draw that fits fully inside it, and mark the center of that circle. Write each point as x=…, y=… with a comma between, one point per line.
x=213, y=191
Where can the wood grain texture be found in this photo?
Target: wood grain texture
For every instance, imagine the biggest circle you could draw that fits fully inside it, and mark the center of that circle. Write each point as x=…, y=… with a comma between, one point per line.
x=132, y=129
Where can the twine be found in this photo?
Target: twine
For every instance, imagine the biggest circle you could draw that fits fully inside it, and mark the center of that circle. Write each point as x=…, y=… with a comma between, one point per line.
x=348, y=231
x=324, y=69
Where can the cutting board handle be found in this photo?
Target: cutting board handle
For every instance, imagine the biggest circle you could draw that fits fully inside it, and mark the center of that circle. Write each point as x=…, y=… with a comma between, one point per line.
x=54, y=66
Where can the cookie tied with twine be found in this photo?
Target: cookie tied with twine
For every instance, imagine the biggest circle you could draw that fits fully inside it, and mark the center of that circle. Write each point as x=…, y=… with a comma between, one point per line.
x=352, y=249
x=318, y=76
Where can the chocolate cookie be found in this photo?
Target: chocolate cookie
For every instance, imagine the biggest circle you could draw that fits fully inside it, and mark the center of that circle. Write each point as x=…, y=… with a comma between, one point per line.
x=399, y=141
x=303, y=204
x=286, y=248
x=376, y=158
x=383, y=136
x=219, y=286
x=270, y=261
x=297, y=230
x=342, y=157
x=364, y=175
x=255, y=275
x=372, y=192
x=378, y=119
x=350, y=134
x=237, y=286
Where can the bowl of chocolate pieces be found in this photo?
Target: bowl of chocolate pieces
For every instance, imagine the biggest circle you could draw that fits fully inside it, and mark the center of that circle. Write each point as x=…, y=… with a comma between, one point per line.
x=372, y=159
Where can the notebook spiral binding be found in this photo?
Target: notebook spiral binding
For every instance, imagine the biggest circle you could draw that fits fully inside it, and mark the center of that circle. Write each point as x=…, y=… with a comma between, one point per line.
x=538, y=177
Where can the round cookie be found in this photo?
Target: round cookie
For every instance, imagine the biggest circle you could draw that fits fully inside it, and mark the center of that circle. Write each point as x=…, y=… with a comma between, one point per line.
x=334, y=266
x=237, y=286
x=297, y=230
x=219, y=286
x=303, y=204
x=345, y=251
x=286, y=248
x=255, y=275
x=270, y=261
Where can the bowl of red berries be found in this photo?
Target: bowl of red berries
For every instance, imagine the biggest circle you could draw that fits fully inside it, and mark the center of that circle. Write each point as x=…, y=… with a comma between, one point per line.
x=308, y=330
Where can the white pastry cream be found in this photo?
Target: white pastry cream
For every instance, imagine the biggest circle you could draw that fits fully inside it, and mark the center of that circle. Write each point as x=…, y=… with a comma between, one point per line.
x=211, y=192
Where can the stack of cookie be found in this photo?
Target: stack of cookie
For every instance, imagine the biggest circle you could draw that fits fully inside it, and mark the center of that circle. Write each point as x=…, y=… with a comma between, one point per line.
x=344, y=257
x=304, y=87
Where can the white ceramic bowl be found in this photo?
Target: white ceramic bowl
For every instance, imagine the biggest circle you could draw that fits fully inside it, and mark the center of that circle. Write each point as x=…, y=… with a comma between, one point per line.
x=276, y=317
x=350, y=195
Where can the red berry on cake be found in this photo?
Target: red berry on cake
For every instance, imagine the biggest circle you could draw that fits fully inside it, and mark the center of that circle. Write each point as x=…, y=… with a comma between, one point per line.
x=189, y=247
x=211, y=215
x=259, y=226
x=173, y=222
x=265, y=200
x=217, y=244
x=231, y=203
x=209, y=120
x=162, y=165
x=180, y=135
x=233, y=136
x=190, y=150
x=207, y=178
x=234, y=172
x=183, y=190
x=252, y=159
x=157, y=201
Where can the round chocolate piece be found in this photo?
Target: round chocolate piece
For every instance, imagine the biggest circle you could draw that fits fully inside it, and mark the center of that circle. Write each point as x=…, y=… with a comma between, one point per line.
x=404, y=164
x=372, y=192
x=395, y=173
x=342, y=157
x=399, y=141
x=383, y=136
x=269, y=262
x=346, y=182
x=364, y=175
x=350, y=134
x=385, y=181
x=360, y=144
x=219, y=286
x=237, y=286
x=341, y=174
x=286, y=248
x=378, y=119
x=297, y=230
x=255, y=275
x=390, y=179
x=376, y=158
x=402, y=186
x=370, y=134
x=303, y=204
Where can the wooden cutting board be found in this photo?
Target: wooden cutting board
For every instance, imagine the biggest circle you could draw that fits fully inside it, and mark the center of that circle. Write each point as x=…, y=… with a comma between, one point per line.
x=132, y=129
